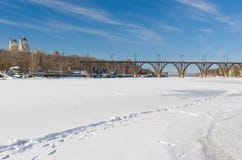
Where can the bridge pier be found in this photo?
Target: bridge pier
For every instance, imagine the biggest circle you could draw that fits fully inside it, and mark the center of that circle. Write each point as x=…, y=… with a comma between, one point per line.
x=203, y=75
x=158, y=74
x=226, y=75
x=226, y=72
x=135, y=75
x=88, y=75
x=181, y=75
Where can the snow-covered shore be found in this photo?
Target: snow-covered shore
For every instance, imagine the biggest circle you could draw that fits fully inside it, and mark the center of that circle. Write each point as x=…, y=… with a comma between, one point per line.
x=121, y=119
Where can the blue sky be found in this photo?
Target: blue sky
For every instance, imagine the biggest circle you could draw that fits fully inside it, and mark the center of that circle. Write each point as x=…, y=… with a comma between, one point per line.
x=125, y=27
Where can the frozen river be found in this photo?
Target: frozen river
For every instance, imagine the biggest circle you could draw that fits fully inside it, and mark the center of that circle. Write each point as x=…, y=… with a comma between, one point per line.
x=121, y=119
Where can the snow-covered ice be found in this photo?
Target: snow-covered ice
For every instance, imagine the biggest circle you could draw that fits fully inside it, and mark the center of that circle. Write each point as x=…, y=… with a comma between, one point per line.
x=121, y=119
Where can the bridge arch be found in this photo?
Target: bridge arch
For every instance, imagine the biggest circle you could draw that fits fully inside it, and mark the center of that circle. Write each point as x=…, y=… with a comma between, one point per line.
x=202, y=72
x=88, y=68
x=170, y=63
x=235, y=64
x=126, y=68
x=234, y=72
x=112, y=68
x=221, y=68
x=150, y=64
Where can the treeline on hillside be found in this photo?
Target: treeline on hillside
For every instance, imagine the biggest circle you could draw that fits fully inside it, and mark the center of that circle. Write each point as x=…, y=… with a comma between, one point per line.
x=38, y=61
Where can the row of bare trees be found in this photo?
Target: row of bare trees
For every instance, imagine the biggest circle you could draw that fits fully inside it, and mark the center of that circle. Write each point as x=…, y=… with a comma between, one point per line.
x=38, y=61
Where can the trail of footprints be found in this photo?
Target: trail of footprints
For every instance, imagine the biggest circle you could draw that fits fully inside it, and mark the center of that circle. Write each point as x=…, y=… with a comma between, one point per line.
x=51, y=141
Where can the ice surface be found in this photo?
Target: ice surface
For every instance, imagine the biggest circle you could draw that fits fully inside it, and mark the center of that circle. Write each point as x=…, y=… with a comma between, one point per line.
x=121, y=119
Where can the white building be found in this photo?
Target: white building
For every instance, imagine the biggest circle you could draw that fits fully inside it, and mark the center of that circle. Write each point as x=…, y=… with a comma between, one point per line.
x=12, y=45
x=23, y=45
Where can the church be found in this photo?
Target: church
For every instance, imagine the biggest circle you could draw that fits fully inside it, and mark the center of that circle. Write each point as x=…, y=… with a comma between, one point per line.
x=23, y=45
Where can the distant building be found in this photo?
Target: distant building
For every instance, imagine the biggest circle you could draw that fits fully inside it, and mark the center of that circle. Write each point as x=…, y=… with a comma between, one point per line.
x=56, y=53
x=12, y=45
x=23, y=45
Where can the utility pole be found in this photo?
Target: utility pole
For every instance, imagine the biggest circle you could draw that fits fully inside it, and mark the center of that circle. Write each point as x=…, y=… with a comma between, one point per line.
x=135, y=57
x=204, y=58
x=111, y=56
x=158, y=58
x=226, y=58
x=182, y=57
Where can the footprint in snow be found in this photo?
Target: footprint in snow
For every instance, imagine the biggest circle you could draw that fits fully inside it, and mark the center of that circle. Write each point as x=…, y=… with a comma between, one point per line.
x=46, y=145
x=5, y=157
x=65, y=135
x=53, y=145
x=167, y=143
x=35, y=158
x=52, y=152
x=92, y=134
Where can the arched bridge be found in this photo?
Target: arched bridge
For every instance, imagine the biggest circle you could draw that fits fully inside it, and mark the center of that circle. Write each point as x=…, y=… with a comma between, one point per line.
x=135, y=67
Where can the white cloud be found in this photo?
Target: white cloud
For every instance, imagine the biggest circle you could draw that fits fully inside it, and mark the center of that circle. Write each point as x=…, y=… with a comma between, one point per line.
x=206, y=30
x=130, y=29
x=169, y=28
x=133, y=33
x=51, y=26
x=201, y=5
x=95, y=14
x=146, y=35
x=22, y=24
x=212, y=10
x=67, y=27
